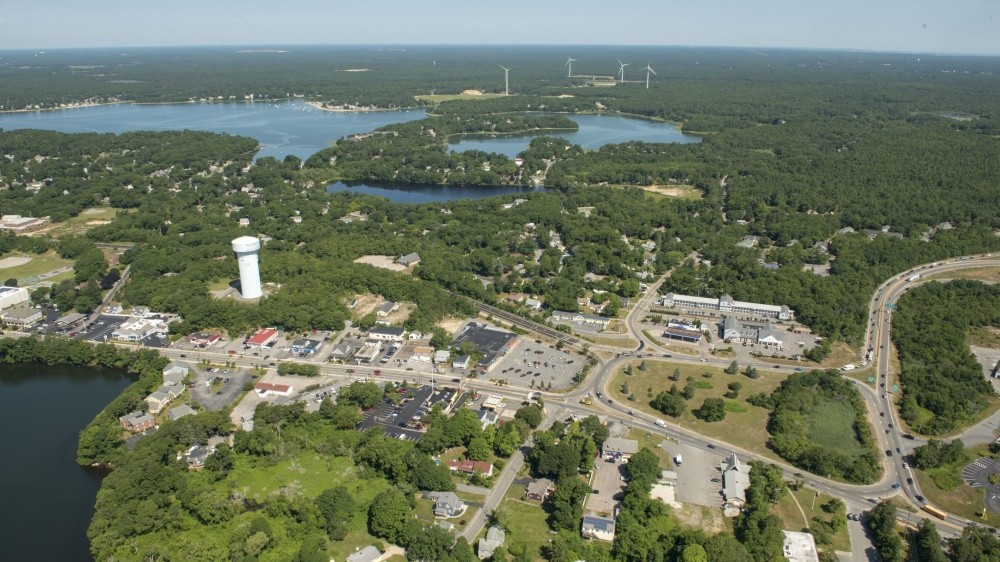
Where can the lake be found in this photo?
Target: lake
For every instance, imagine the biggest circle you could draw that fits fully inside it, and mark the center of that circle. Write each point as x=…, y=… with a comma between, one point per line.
x=595, y=131
x=288, y=127
x=409, y=193
x=49, y=500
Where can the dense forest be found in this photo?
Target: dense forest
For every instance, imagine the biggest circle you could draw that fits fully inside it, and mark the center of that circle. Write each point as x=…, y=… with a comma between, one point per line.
x=943, y=384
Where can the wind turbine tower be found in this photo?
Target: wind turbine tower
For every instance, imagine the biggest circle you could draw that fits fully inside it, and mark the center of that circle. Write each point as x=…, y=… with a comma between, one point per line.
x=648, y=70
x=569, y=65
x=506, y=81
x=621, y=70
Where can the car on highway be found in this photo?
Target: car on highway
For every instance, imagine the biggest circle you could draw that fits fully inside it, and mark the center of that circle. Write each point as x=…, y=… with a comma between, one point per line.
x=711, y=445
x=909, y=481
x=611, y=402
x=888, y=452
x=598, y=394
x=919, y=498
x=895, y=485
x=906, y=464
x=899, y=450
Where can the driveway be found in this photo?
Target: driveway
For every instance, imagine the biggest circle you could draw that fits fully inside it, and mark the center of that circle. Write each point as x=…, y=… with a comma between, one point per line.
x=608, y=483
x=695, y=474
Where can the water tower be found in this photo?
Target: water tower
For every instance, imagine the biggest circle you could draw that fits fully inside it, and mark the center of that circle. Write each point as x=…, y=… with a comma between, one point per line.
x=246, y=248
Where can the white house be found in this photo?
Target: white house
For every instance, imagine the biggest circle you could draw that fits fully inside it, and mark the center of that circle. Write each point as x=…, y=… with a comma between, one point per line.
x=386, y=333
x=596, y=527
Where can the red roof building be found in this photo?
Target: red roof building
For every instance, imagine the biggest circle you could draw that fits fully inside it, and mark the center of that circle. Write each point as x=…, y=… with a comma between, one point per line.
x=203, y=339
x=266, y=388
x=263, y=337
x=469, y=467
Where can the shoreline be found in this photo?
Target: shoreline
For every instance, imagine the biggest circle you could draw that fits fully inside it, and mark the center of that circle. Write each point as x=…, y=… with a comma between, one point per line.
x=319, y=105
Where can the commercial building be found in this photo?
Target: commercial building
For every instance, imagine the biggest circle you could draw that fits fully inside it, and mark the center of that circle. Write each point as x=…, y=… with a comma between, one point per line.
x=263, y=338
x=386, y=333
x=800, y=547
x=369, y=351
x=13, y=296
x=727, y=304
x=735, y=331
x=735, y=481
x=203, y=339
x=492, y=343
x=341, y=351
x=269, y=389
x=596, y=527
x=563, y=317
x=461, y=362
x=681, y=334
x=17, y=223
x=21, y=316
x=139, y=329
x=618, y=448
x=305, y=346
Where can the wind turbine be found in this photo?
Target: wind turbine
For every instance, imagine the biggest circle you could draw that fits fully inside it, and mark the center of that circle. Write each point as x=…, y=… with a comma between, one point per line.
x=506, y=82
x=569, y=65
x=622, y=69
x=648, y=70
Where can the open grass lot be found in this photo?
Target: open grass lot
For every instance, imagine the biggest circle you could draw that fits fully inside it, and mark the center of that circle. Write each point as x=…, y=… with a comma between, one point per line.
x=87, y=219
x=984, y=336
x=39, y=264
x=658, y=192
x=976, y=274
x=963, y=500
x=527, y=523
x=652, y=442
x=831, y=427
x=744, y=429
x=438, y=98
x=812, y=505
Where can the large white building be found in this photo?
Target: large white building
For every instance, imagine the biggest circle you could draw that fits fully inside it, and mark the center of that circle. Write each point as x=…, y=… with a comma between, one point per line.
x=725, y=303
x=13, y=296
x=246, y=248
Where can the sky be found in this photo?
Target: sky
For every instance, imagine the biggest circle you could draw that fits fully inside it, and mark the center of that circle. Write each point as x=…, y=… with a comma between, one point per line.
x=924, y=26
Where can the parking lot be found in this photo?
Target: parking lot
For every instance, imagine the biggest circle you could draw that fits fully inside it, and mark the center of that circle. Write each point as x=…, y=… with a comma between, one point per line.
x=406, y=418
x=531, y=360
x=606, y=488
x=696, y=473
x=232, y=385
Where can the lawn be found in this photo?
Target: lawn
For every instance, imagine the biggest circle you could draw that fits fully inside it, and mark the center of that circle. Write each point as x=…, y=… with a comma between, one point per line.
x=986, y=273
x=87, y=219
x=964, y=500
x=652, y=442
x=309, y=473
x=746, y=429
x=812, y=505
x=832, y=427
x=984, y=336
x=39, y=264
x=528, y=525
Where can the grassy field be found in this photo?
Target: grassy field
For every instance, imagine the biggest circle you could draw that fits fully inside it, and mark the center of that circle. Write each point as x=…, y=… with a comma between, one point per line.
x=438, y=98
x=39, y=264
x=527, y=522
x=652, y=442
x=812, y=505
x=984, y=336
x=831, y=427
x=87, y=219
x=747, y=429
x=964, y=500
x=976, y=274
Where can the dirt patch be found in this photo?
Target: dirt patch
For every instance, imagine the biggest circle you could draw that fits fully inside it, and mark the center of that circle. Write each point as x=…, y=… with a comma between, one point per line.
x=679, y=191
x=14, y=261
x=708, y=519
x=364, y=304
x=383, y=262
x=97, y=223
x=451, y=325
x=472, y=92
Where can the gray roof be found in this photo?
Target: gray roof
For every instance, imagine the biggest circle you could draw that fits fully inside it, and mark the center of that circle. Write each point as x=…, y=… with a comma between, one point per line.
x=387, y=307
x=449, y=499
x=366, y=554
x=408, y=259
x=136, y=418
x=539, y=487
x=159, y=396
x=342, y=349
x=620, y=445
x=306, y=343
x=386, y=330
x=735, y=478
x=494, y=539
x=602, y=524
x=180, y=412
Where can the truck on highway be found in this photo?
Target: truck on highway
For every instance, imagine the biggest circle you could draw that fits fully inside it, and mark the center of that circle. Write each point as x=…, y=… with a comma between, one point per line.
x=661, y=423
x=678, y=459
x=913, y=277
x=871, y=353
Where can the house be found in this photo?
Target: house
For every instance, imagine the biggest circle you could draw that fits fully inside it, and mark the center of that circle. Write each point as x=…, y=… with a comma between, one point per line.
x=515, y=298
x=748, y=242
x=369, y=351
x=263, y=338
x=618, y=448
x=538, y=489
x=447, y=504
x=304, y=346
x=159, y=399
x=800, y=547
x=387, y=308
x=487, y=418
x=196, y=455
x=414, y=335
x=366, y=554
x=244, y=222
x=735, y=481
x=533, y=304
x=269, y=389
x=495, y=536
x=174, y=373
x=386, y=333
x=137, y=421
x=341, y=351
x=140, y=311
x=180, y=411
x=441, y=356
x=203, y=339
x=461, y=362
x=471, y=467
x=596, y=527
x=446, y=525
x=412, y=258
x=22, y=316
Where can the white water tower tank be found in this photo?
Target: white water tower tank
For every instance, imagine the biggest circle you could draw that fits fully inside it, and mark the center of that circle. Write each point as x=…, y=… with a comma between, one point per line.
x=246, y=248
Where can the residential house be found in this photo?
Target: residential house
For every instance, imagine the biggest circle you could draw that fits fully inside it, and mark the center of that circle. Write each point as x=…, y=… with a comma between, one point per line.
x=412, y=258
x=174, y=373
x=196, y=455
x=538, y=489
x=387, y=308
x=596, y=527
x=494, y=539
x=533, y=304
x=461, y=362
x=137, y=421
x=441, y=356
x=447, y=504
x=471, y=467
x=487, y=418
x=159, y=399
x=180, y=411
x=366, y=554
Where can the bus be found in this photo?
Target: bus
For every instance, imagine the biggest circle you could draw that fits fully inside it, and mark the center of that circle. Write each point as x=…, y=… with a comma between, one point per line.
x=935, y=511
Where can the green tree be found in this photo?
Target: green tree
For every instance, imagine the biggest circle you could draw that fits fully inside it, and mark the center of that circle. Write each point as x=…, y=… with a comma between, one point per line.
x=364, y=395
x=530, y=414
x=733, y=368
x=565, y=505
x=694, y=553
x=711, y=410
x=389, y=518
x=479, y=449
x=430, y=544
x=643, y=468
x=670, y=404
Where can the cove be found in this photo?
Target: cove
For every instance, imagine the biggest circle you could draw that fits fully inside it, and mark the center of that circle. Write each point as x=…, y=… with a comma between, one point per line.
x=409, y=193
x=49, y=499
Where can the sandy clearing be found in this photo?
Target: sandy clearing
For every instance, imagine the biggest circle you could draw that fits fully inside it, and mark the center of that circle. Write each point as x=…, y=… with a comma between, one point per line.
x=13, y=261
